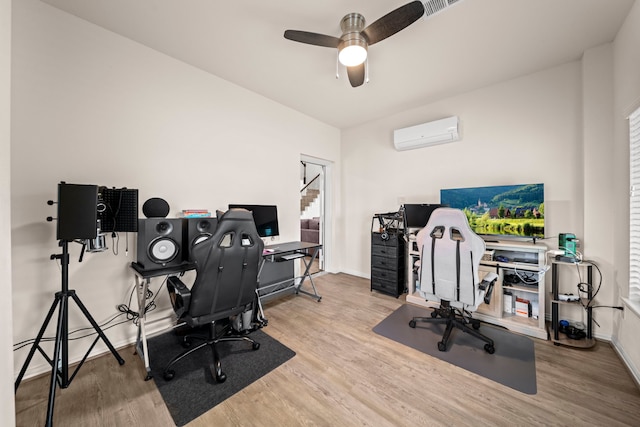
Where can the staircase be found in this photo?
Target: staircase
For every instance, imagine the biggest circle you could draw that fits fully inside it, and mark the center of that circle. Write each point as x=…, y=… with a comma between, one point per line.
x=311, y=194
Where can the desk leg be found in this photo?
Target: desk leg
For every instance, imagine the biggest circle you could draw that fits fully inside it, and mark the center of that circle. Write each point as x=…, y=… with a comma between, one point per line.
x=306, y=274
x=142, y=285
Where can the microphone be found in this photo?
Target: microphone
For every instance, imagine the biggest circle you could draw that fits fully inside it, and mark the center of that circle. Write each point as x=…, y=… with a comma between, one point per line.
x=99, y=244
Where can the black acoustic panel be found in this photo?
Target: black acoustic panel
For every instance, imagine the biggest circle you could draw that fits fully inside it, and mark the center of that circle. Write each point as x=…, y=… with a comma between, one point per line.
x=160, y=242
x=118, y=209
x=77, y=211
x=196, y=230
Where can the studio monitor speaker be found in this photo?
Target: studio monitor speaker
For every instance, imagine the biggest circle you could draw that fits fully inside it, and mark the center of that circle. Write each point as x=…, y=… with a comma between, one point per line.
x=197, y=230
x=160, y=242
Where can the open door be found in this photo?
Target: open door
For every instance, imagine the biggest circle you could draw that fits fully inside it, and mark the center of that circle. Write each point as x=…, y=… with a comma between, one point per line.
x=313, y=207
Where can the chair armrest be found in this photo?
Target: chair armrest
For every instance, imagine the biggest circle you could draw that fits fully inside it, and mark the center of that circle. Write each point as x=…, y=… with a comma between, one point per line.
x=179, y=295
x=487, y=286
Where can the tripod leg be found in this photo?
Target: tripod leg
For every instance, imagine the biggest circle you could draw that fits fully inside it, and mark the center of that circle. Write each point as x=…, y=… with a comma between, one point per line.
x=36, y=343
x=97, y=328
x=57, y=355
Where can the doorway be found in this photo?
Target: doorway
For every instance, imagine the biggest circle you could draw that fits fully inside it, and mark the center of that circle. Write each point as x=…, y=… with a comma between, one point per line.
x=313, y=207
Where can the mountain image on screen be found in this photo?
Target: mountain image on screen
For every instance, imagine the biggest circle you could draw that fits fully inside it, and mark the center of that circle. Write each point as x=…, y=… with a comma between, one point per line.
x=502, y=210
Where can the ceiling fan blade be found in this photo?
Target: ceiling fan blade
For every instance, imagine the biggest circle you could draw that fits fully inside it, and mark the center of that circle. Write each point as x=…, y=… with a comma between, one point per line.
x=312, y=38
x=356, y=74
x=393, y=22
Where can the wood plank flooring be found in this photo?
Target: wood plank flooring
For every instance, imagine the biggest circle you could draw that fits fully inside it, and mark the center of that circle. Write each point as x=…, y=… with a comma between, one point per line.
x=345, y=375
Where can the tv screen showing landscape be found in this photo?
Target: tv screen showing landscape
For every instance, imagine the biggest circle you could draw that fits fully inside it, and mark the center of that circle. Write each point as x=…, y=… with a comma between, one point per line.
x=502, y=210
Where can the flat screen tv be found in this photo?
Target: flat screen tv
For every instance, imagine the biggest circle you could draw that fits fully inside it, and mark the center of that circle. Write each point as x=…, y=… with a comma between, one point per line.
x=417, y=215
x=265, y=217
x=501, y=210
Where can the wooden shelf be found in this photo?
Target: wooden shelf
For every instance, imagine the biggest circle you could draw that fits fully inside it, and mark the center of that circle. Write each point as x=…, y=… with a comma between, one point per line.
x=556, y=303
x=531, y=289
x=566, y=341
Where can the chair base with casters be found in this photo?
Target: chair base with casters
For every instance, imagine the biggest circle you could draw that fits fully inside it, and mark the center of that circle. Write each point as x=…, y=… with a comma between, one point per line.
x=454, y=317
x=210, y=340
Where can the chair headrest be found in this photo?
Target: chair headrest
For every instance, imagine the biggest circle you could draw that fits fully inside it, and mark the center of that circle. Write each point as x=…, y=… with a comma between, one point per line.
x=238, y=214
x=452, y=225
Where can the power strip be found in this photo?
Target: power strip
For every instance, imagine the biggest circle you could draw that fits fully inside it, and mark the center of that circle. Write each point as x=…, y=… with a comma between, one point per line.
x=570, y=259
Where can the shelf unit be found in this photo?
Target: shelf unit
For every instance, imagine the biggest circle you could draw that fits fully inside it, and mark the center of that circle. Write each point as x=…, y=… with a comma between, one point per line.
x=388, y=253
x=557, y=337
x=526, y=261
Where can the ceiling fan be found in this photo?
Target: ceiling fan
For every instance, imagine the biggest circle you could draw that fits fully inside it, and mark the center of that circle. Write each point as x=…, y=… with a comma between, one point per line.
x=355, y=40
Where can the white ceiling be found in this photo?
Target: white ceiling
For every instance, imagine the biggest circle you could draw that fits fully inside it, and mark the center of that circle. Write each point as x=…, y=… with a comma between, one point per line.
x=471, y=44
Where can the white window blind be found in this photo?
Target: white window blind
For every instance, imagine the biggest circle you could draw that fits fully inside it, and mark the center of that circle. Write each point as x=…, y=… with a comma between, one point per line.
x=634, y=206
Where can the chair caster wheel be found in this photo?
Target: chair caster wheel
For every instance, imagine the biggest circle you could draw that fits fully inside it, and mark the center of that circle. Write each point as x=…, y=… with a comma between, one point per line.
x=442, y=346
x=220, y=378
x=255, y=346
x=168, y=375
x=434, y=313
x=412, y=323
x=475, y=324
x=489, y=348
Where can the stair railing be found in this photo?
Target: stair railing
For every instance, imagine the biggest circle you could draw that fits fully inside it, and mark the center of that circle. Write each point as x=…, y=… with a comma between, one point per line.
x=316, y=186
x=305, y=201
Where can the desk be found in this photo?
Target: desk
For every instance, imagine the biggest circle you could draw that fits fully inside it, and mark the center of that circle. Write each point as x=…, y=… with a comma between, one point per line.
x=282, y=252
x=143, y=278
x=288, y=252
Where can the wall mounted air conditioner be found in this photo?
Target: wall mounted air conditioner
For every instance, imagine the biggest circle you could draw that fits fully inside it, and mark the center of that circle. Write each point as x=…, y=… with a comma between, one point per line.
x=426, y=134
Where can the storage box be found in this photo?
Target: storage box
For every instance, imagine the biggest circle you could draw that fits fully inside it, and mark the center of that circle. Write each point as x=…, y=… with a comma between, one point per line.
x=507, y=302
x=523, y=307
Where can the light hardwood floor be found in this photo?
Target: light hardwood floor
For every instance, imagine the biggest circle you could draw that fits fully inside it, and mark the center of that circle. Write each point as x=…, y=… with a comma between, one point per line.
x=346, y=375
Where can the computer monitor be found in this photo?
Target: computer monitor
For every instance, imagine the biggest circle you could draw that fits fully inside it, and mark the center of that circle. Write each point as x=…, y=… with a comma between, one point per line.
x=265, y=217
x=417, y=215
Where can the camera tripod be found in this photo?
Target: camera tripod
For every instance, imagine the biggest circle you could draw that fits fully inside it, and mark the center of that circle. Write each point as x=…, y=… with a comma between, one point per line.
x=60, y=360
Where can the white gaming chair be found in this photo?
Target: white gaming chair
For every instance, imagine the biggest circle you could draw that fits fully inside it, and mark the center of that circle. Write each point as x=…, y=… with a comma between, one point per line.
x=450, y=254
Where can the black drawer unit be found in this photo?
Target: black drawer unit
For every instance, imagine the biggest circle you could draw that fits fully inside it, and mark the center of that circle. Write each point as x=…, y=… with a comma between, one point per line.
x=387, y=263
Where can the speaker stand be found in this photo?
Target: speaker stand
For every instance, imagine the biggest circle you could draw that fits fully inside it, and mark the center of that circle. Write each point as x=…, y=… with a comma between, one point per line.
x=60, y=361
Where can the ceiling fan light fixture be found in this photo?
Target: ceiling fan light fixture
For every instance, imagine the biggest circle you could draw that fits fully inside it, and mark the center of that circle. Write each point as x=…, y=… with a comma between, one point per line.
x=352, y=52
x=352, y=46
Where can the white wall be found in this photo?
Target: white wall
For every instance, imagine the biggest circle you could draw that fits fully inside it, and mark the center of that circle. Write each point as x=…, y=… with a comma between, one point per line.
x=598, y=170
x=7, y=411
x=526, y=130
x=626, y=57
x=91, y=107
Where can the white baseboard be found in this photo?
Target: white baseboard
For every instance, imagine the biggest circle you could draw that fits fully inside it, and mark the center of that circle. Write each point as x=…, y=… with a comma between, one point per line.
x=633, y=370
x=356, y=273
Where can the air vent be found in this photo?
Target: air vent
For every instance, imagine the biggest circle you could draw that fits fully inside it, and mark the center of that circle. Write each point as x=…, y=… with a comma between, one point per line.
x=431, y=7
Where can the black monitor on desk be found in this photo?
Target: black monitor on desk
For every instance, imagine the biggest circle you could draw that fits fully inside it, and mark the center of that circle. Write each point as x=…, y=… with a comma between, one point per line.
x=265, y=217
x=417, y=215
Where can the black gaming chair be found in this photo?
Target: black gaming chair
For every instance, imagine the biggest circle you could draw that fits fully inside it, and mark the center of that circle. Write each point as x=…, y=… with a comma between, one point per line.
x=224, y=289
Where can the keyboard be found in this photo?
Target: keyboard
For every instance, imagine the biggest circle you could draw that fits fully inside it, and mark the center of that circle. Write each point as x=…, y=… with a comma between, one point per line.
x=292, y=256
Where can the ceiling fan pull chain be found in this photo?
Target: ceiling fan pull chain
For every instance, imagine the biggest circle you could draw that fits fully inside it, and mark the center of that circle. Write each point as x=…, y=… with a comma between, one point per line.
x=366, y=71
x=337, y=67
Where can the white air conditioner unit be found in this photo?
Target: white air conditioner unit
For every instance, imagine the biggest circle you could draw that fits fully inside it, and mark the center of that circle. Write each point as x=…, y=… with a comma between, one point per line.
x=426, y=134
